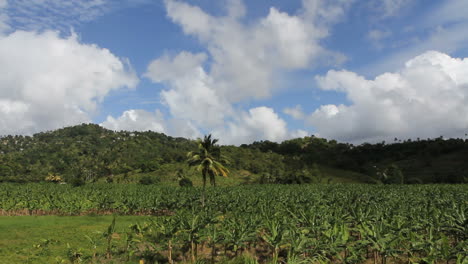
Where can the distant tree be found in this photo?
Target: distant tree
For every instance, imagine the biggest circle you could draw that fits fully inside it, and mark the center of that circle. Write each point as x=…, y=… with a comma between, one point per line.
x=391, y=175
x=147, y=180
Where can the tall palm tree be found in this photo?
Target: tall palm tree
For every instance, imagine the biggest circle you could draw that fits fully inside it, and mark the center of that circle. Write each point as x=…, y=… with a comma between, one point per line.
x=208, y=159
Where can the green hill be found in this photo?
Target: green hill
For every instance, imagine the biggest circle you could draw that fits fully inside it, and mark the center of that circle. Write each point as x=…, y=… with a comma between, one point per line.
x=90, y=153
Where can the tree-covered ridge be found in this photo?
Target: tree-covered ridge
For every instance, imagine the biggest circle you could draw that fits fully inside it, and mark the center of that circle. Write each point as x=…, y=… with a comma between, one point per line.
x=432, y=160
x=89, y=153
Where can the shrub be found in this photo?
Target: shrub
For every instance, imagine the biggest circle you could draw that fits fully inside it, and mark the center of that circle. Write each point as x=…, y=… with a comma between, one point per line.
x=77, y=181
x=147, y=180
x=184, y=182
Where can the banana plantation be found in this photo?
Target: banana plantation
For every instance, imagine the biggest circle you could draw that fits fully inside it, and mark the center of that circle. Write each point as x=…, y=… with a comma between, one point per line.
x=332, y=223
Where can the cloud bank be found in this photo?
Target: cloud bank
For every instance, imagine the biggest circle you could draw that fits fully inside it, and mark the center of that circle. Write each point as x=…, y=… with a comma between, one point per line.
x=48, y=82
x=426, y=98
x=243, y=62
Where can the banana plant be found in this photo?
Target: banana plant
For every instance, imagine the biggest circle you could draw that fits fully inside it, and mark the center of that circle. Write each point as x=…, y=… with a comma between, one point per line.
x=273, y=234
x=191, y=227
x=237, y=233
x=167, y=228
x=108, y=235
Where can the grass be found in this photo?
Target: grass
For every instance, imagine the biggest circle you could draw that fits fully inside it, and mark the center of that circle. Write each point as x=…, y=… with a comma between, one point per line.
x=343, y=176
x=45, y=239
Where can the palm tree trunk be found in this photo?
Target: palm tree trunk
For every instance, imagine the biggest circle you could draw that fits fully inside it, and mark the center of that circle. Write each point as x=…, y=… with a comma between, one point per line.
x=204, y=187
x=212, y=179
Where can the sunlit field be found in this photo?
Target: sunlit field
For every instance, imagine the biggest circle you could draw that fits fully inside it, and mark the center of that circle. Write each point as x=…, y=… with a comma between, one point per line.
x=329, y=223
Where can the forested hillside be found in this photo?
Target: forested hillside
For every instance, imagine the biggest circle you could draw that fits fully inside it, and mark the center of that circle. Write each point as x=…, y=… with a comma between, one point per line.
x=88, y=153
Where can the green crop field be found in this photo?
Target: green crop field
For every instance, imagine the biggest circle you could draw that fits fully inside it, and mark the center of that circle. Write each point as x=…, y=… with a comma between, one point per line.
x=327, y=223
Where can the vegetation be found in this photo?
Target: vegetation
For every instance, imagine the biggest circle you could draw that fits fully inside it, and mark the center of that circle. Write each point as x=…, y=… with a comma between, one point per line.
x=208, y=160
x=59, y=239
x=89, y=153
x=286, y=210
x=320, y=223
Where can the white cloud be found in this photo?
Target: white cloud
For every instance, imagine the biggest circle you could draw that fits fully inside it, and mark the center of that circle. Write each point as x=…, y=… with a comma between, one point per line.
x=49, y=82
x=295, y=112
x=260, y=123
x=142, y=120
x=244, y=57
x=191, y=94
x=427, y=98
x=444, y=28
x=447, y=40
x=136, y=120
x=242, y=62
x=183, y=128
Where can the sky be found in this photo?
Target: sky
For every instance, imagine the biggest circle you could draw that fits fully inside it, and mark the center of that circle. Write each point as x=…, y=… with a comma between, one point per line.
x=244, y=71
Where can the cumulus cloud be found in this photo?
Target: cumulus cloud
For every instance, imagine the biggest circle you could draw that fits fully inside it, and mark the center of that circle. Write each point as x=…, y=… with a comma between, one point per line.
x=136, y=120
x=49, y=82
x=142, y=120
x=426, y=98
x=260, y=123
x=244, y=57
x=295, y=112
x=444, y=29
x=242, y=62
x=191, y=94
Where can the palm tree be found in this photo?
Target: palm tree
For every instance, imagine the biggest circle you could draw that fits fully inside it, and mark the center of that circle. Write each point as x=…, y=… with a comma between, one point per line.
x=208, y=160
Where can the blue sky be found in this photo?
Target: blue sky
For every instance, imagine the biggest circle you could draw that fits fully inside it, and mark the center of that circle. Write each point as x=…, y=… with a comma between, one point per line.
x=355, y=71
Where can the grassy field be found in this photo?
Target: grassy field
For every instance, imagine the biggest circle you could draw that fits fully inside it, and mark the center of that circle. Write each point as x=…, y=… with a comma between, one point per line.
x=45, y=239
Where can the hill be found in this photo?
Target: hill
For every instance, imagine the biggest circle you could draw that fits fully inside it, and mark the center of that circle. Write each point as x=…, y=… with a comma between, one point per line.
x=90, y=153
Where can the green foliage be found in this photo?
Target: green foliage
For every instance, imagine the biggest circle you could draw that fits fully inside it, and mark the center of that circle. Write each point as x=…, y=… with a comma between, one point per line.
x=393, y=175
x=208, y=160
x=77, y=181
x=320, y=223
x=95, y=154
x=185, y=182
x=147, y=180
